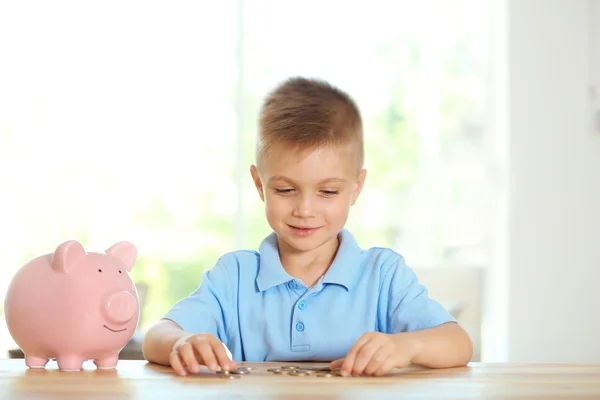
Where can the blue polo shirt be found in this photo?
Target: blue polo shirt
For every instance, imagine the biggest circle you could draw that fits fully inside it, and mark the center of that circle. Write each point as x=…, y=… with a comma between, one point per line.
x=262, y=313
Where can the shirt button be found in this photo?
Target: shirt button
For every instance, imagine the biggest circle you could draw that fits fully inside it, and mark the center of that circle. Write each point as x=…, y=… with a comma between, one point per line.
x=302, y=305
x=293, y=285
x=299, y=326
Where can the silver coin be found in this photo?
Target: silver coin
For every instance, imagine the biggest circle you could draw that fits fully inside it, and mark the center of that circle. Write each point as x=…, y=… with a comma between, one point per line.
x=227, y=376
x=301, y=371
x=324, y=375
x=298, y=373
x=240, y=371
x=282, y=372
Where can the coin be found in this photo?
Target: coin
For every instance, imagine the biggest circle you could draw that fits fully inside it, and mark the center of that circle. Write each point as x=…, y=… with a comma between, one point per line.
x=298, y=373
x=281, y=372
x=335, y=371
x=290, y=367
x=240, y=372
x=228, y=376
x=303, y=370
x=324, y=375
x=323, y=369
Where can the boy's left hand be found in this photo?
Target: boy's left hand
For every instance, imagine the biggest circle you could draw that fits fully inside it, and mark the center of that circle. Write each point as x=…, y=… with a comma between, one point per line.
x=375, y=353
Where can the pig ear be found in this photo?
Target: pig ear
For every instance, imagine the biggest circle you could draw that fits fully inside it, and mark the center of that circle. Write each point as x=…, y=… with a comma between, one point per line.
x=125, y=252
x=66, y=255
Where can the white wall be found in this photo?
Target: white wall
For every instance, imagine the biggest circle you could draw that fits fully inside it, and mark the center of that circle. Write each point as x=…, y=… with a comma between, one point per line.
x=547, y=297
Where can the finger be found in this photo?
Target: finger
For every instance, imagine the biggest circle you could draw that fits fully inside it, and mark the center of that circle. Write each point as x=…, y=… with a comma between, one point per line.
x=176, y=364
x=336, y=363
x=186, y=351
x=221, y=355
x=385, y=367
x=379, y=357
x=350, y=358
x=364, y=357
x=205, y=354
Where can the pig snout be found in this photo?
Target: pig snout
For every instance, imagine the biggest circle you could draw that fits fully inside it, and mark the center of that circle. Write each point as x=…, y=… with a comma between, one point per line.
x=120, y=307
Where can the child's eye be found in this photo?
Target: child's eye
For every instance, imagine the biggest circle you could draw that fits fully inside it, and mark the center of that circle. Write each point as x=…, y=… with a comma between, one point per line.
x=284, y=191
x=330, y=192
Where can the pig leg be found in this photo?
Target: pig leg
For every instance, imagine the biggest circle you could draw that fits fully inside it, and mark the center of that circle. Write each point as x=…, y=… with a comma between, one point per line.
x=35, y=361
x=108, y=362
x=70, y=363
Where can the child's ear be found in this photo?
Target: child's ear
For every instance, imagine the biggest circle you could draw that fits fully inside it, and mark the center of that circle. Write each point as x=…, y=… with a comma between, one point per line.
x=360, y=181
x=257, y=181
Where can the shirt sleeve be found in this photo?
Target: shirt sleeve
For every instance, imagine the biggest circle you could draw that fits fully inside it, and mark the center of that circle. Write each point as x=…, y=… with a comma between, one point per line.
x=209, y=308
x=409, y=307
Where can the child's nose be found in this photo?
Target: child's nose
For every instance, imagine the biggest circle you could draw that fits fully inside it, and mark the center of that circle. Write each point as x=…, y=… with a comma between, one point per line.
x=304, y=206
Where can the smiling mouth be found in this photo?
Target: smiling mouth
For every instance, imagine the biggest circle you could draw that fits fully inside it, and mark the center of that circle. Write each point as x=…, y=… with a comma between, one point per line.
x=303, y=228
x=115, y=330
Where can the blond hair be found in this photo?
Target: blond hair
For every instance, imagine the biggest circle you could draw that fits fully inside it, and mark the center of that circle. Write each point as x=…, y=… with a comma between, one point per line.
x=307, y=113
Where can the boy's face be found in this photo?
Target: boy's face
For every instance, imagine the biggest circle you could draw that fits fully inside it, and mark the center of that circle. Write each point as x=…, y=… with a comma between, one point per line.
x=308, y=194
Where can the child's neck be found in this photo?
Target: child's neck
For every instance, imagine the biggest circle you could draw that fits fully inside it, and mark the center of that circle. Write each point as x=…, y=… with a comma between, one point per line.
x=308, y=266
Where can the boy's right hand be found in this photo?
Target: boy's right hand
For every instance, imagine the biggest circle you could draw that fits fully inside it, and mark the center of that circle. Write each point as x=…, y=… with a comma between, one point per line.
x=191, y=351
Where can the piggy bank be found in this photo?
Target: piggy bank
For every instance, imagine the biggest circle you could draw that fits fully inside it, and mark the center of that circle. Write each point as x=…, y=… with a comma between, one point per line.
x=74, y=306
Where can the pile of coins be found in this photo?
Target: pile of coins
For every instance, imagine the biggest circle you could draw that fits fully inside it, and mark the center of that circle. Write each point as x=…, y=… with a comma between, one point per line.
x=235, y=373
x=289, y=370
x=293, y=370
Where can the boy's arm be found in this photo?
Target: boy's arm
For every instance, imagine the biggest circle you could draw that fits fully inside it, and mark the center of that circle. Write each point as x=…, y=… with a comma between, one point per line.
x=207, y=311
x=159, y=341
x=444, y=346
x=433, y=335
x=413, y=328
x=376, y=353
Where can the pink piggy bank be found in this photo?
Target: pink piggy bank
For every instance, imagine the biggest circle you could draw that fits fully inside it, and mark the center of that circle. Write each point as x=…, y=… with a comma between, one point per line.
x=74, y=306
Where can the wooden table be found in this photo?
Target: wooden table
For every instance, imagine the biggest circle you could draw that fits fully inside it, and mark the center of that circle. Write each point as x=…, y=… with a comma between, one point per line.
x=141, y=380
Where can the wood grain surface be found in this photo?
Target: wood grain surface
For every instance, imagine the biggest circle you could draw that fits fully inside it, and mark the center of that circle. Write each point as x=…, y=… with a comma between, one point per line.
x=141, y=380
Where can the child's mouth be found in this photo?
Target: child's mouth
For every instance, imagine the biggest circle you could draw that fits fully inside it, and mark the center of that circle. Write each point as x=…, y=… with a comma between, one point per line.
x=303, y=230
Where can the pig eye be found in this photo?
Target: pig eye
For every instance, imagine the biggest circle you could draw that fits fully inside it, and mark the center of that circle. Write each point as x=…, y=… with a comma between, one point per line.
x=99, y=270
x=119, y=271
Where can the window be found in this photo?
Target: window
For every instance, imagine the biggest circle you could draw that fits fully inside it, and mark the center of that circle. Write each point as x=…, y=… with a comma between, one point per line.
x=137, y=121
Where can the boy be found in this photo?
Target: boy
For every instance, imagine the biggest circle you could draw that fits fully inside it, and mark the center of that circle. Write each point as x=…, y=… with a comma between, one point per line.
x=310, y=293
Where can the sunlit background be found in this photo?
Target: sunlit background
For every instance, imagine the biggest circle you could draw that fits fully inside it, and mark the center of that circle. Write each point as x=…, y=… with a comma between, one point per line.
x=136, y=120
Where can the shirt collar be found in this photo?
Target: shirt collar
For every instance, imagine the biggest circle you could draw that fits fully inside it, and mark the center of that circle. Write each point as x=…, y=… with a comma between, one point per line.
x=341, y=272
x=270, y=273
x=347, y=261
